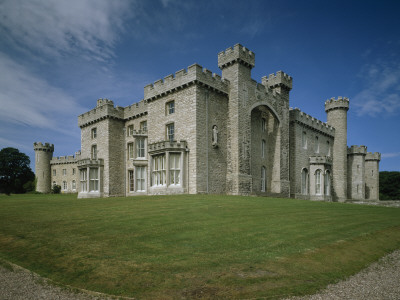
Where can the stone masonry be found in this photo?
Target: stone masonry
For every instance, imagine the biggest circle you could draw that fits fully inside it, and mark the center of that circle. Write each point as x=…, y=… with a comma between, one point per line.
x=198, y=132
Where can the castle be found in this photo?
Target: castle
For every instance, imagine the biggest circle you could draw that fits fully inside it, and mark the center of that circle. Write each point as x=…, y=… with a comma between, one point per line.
x=197, y=132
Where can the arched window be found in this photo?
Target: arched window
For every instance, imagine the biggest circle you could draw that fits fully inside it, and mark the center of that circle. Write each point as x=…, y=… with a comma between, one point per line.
x=263, y=179
x=304, y=181
x=327, y=186
x=318, y=182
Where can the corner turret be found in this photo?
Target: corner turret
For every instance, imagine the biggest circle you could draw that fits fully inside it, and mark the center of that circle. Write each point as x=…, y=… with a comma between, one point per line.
x=43, y=155
x=336, y=111
x=237, y=54
x=356, y=172
x=372, y=175
x=280, y=81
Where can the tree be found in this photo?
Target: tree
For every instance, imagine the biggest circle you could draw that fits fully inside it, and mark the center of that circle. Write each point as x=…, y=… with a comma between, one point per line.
x=15, y=171
x=389, y=185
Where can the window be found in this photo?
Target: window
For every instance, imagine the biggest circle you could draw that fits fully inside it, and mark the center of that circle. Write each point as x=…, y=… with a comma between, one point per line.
x=73, y=171
x=174, y=168
x=93, y=179
x=263, y=179
x=131, y=179
x=94, y=152
x=170, y=132
x=143, y=126
x=159, y=172
x=328, y=145
x=263, y=124
x=130, y=150
x=83, y=178
x=304, y=140
x=130, y=130
x=263, y=148
x=140, y=179
x=140, y=149
x=327, y=187
x=94, y=133
x=304, y=181
x=64, y=172
x=54, y=172
x=170, y=107
x=73, y=185
x=318, y=182
x=65, y=185
x=316, y=146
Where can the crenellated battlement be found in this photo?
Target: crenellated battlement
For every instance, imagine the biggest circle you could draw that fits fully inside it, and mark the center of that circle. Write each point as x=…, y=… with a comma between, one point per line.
x=65, y=159
x=183, y=78
x=167, y=145
x=281, y=79
x=357, y=150
x=296, y=115
x=236, y=54
x=47, y=147
x=340, y=103
x=373, y=156
x=135, y=110
x=104, y=109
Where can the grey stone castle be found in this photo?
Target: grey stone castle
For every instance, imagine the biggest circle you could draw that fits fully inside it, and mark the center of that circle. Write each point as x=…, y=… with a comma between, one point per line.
x=196, y=132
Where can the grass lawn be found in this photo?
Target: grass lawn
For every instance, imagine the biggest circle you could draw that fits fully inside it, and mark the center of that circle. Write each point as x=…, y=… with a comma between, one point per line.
x=194, y=246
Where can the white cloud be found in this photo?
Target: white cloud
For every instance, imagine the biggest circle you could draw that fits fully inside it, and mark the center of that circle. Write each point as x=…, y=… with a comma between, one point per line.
x=53, y=27
x=381, y=94
x=390, y=155
x=28, y=100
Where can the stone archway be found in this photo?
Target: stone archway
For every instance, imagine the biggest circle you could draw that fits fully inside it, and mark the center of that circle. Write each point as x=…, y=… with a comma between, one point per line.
x=265, y=150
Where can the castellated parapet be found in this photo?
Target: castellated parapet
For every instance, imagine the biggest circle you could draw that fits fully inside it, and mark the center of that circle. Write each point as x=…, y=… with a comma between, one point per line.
x=38, y=146
x=70, y=159
x=373, y=156
x=236, y=54
x=340, y=103
x=357, y=150
x=281, y=79
x=135, y=110
x=195, y=74
x=104, y=109
x=296, y=115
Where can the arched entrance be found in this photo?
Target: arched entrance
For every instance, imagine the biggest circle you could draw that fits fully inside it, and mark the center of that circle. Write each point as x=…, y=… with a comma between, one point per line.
x=265, y=151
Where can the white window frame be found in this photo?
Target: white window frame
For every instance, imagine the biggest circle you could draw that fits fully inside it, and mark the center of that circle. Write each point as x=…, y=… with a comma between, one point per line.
x=93, y=152
x=140, y=147
x=175, y=168
x=158, y=170
x=83, y=179
x=130, y=130
x=140, y=181
x=170, y=107
x=93, y=133
x=143, y=126
x=93, y=179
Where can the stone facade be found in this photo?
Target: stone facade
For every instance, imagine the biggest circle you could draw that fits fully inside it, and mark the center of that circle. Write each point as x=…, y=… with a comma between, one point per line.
x=198, y=132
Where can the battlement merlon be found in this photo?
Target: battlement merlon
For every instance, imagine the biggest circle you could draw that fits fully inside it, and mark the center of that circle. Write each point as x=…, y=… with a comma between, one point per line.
x=357, y=150
x=281, y=79
x=183, y=78
x=38, y=146
x=236, y=54
x=296, y=115
x=64, y=160
x=104, y=109
x=373, y=156
x=135, y=110
x=320, y=160
x=340, y=103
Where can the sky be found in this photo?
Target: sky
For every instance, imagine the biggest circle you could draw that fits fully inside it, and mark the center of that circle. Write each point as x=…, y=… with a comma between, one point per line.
x=58, y=57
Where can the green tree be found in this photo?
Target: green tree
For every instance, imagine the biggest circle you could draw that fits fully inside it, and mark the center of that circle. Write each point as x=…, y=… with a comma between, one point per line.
x=389, y=185
x=15, y=171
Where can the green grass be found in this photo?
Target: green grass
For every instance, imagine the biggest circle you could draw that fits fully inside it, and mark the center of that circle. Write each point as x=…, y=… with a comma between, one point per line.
x=194, y=246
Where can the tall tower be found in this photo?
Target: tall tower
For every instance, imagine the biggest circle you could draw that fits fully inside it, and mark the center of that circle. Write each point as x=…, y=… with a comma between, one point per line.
x=43, y=155
x=372, y=175
x=336, y=111
x=236, y=64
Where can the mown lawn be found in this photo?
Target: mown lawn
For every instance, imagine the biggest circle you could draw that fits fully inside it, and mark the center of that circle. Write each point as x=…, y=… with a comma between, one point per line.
x=194, y=246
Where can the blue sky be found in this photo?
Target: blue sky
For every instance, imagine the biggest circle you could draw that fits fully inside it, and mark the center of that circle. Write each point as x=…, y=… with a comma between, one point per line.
x=58, y=57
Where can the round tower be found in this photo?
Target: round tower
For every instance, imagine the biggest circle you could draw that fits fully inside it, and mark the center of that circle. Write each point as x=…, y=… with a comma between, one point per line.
x=43, y=155
x=336, y=111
